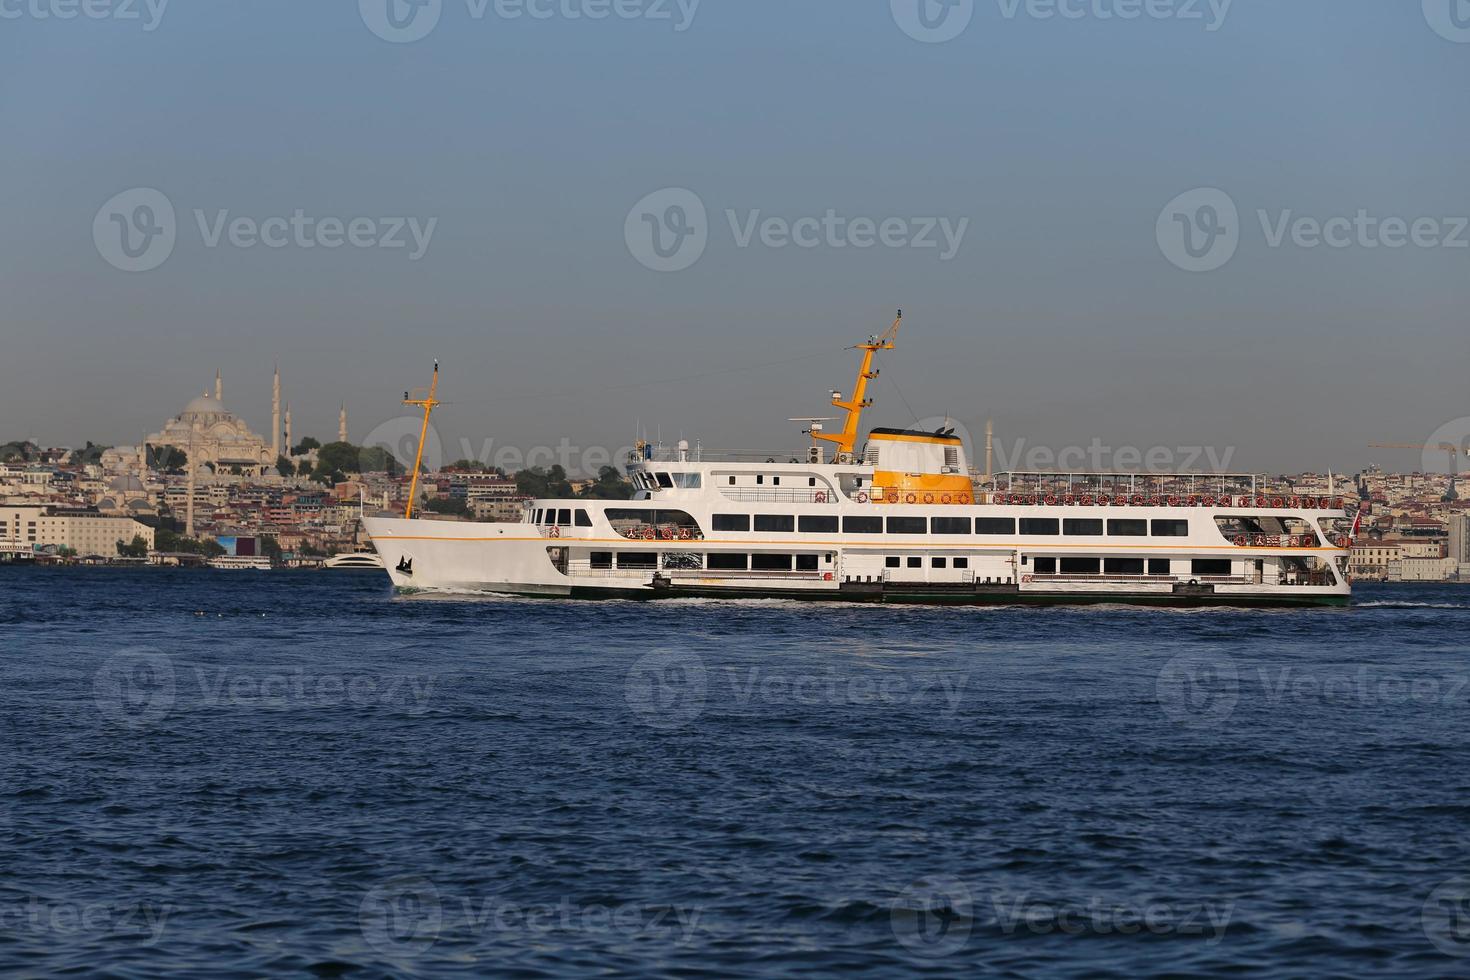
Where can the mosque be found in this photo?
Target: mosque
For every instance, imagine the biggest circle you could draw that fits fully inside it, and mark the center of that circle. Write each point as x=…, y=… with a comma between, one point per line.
x=208, y=433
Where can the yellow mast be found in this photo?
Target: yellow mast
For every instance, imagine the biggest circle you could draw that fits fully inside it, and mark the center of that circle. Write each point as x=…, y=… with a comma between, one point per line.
x=428, y=404
x=846, y=440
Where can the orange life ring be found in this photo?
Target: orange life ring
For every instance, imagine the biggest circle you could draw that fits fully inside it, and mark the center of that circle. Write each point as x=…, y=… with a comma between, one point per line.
x=928, y=498
x=826, y=576
x=1028, y=579
x=1051, y=500
x=893, y=496
x=1069, y=500
x=820, y=496
x=1209, y=500
x=963, y=498
x=649, y=534
x=685, y=534
x=861, y=497
x=1085, y=500
x=1260, y=541
x=946, y=499
x=1242, y=540
x=1138, y=500
x=1278, y=503
x=1031, y=500
x=553, y=532
x=911, y=498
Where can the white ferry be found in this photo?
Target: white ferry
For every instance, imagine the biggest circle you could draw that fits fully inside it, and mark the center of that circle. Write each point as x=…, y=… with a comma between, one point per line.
x=234, y=563
x=899, y=520
x=353, y=560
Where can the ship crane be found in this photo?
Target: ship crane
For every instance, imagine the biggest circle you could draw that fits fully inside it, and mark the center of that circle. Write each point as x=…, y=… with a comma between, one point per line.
x=1447, y=447
x=846, y=440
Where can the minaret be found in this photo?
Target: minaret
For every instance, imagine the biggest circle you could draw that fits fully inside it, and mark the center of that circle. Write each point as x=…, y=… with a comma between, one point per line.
x=276, y=415
x=219, y=388
x=288, y=428
x=989, y=449
x=342, y=424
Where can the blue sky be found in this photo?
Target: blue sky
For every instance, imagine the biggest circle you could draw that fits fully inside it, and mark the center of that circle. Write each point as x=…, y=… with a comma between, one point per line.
x=1056, y=142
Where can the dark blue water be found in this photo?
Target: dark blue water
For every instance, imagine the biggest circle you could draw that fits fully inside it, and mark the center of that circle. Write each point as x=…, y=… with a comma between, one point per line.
x=238, y=774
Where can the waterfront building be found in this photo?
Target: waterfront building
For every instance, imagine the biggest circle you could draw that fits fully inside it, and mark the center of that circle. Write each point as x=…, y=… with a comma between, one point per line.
x=87, y=532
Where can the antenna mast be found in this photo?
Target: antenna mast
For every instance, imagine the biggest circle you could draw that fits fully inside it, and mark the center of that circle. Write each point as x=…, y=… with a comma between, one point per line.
x=847, y=438
x=428, y=404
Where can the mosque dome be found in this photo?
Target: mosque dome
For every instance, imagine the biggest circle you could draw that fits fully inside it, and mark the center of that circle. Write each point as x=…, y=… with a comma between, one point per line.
x=204, y=405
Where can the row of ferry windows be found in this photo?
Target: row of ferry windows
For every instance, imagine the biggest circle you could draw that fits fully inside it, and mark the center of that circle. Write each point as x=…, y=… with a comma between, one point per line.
x=1125, y=566
x=564, y=517
x=1071, y=527
x=715, y=561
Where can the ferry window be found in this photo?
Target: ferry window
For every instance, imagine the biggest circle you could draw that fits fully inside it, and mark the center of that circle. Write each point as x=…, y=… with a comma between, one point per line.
x=1045, y=566
x=1158, y=566
x=725, y=562
x=731, y=522
x=916, y=562
x=732, y=481
x=806, y=563
x=770, y=563
x=536, y=517
x=951, y=525
x=1210, y=566
x=664, y=481
x=995, y=525
x=602, y=559
x=1040, y=525
x=637, y=559
x=962, y=563
x=907, y=525
x=1082, y=527
x=683, y=560
x=892, y=562
x=811, y=481
x=818, y=524
x=940, y=563
x=760, y=479
x=775, y=522
x=775, y=481
x=687, y=481
x=564, y=517
x=1123, y=566
x=1171, y=529
x=1079, y=566
x=1128, y=527
x=582, y=519
x=862, y=525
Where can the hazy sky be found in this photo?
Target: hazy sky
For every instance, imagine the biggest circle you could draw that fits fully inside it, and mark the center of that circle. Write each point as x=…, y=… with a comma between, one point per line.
x=1048, y=147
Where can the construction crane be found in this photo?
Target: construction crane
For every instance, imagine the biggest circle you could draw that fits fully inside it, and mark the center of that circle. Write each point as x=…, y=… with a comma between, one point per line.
x=1448, y=447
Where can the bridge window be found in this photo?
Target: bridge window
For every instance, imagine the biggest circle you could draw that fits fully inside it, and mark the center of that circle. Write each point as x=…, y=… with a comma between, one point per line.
x=951, y=525
x=582, y=519
x=862, y=525
x=725, y=562
x=687, y=481
x=1040, y=525
x=1083, y=527
x=1079, y=566
x=731, y=522
x=664, y=481
x=995, y=525
x=770, y=563
x=564, y=517
x=1123, y=566
x=908, y=525
x=775, y=522
x=818, y=524
x=1128, y=527
x=1171, y=529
